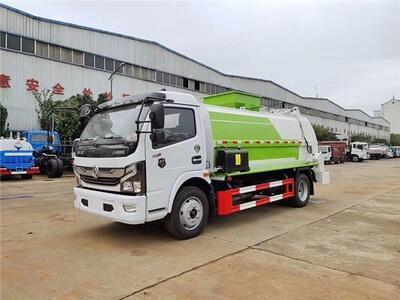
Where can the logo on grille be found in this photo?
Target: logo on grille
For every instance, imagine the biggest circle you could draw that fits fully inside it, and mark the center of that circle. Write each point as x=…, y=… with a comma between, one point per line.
x=95, y=172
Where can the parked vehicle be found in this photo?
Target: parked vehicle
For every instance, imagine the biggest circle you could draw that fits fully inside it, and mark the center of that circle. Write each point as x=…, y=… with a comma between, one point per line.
x=338, y=150
x=326, y=152
x=377, y=151
x=47, y=151
x=389, y=152
x=358, y=151
x=396, y=150
x=16, y=158
x=183, y=160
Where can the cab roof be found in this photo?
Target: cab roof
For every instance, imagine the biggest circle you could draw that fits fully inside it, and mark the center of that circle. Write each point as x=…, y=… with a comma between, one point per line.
x=162, y=96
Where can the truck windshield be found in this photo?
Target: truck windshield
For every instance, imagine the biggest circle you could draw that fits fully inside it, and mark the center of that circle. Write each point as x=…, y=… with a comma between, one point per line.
x=116, y=123
x=323, y=149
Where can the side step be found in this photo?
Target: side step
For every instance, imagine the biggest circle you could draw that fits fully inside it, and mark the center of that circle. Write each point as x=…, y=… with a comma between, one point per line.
x=225, y=198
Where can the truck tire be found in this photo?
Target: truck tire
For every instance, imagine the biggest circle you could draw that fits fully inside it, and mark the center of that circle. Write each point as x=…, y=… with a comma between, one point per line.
x=354, y=158
x=26, y=176
x=52, y=168
x=189, y=213
x=60, y=169
x=302, y=189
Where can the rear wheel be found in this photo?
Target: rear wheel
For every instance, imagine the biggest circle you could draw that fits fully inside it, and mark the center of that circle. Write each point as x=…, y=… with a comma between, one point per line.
x=52, y=168
x=301, y=192
x=189, y=213
x=60, y=169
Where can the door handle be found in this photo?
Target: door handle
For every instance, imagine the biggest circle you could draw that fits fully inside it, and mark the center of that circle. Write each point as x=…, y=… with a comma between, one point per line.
x=196, y=159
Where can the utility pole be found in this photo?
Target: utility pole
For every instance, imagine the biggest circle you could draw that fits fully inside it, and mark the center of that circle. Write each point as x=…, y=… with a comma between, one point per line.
x=112, y=77
x=316, y=91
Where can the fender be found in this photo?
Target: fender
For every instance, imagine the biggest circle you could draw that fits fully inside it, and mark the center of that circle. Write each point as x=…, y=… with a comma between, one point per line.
x=179, y=182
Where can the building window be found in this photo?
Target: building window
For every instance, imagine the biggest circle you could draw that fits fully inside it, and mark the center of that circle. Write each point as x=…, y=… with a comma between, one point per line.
x=54, y=52
x=179, y=81
x=128, y=70
x=28, y=45
x=109, y=64
x=13, y=42
x=166, y=78
x=121, y=69
x=152, y=75
x=159, y=76
x=78, y=57
x=66, y=55
x=185, y=82
x=145, y=73
x=202, y=87
x=136, y=71
x=2, y=39
x=208, y=88
x=197, y=85
x=191, y=84
x=99, y=62
x=173, y=79
x=89, y=60
x=213, y=89
x=42, y=49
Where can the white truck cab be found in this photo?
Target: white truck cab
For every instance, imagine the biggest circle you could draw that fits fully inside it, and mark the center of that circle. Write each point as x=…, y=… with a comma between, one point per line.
x=358, y=151
x=326, y=152
x=148, y=177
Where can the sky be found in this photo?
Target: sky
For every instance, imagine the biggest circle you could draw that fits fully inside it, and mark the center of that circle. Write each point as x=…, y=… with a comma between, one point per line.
x=347, y=51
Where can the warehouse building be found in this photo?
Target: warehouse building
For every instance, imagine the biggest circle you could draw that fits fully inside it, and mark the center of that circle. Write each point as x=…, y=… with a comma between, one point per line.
x=68, y=59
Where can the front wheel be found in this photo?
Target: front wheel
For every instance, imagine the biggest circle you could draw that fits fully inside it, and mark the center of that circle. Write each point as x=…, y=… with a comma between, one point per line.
x=354, y=158
x=189, y=213
x=301, y=192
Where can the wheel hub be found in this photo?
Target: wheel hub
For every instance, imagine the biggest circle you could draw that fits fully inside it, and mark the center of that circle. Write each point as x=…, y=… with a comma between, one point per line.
x=302, y=190
x=191, y=213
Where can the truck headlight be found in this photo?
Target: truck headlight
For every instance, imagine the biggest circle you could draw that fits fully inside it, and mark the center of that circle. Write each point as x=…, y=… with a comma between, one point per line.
x=134, y=179
x=127, y=186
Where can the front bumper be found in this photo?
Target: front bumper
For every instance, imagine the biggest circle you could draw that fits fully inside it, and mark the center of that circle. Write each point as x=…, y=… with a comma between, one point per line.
x=100, y=203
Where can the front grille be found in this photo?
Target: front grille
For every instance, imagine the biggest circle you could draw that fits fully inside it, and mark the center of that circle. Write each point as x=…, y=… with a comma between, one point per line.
x=100, y=180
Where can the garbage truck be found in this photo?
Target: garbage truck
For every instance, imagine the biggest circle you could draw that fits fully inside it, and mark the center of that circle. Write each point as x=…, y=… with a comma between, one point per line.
x=166, y=155
x=16, y=157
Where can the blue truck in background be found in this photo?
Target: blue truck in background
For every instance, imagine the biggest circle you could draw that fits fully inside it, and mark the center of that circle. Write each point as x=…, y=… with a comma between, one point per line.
x=17, y=158
x=47, y=151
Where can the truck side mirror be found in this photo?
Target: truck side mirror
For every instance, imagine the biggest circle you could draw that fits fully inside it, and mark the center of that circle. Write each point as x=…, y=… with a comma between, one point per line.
x=157, y=116
x=85, y=110
x=157, y=137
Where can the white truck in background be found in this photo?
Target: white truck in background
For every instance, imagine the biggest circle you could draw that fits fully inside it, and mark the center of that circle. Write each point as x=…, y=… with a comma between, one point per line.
x=358, y=151
x=326, y=152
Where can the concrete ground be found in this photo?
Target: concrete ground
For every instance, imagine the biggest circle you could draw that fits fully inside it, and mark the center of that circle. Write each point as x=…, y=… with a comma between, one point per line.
x=344, y=244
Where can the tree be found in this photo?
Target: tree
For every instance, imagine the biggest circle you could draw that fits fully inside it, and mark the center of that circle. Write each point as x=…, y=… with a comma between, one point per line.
x=45, y=104
x=65, y=113
x=323, y=133
x=362, y=137
x=394, y=139
x=102, y=98
x=3, y=119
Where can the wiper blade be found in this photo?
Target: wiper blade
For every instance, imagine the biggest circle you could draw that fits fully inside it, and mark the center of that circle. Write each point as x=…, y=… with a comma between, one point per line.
x=110, y=137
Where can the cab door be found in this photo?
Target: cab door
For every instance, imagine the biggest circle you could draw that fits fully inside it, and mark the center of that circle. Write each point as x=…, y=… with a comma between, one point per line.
x=181, y=152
